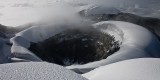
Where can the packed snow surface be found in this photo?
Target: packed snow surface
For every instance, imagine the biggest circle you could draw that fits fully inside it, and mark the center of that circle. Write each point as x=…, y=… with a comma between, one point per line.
x=36, y=71
x=134, y=69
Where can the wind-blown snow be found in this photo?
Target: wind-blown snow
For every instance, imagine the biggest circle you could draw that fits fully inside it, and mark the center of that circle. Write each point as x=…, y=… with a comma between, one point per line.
x=135, y=69
x=36, y=71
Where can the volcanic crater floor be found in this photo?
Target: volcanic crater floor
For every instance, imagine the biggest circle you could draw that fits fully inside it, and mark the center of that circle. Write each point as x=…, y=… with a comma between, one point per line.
x=76, y=46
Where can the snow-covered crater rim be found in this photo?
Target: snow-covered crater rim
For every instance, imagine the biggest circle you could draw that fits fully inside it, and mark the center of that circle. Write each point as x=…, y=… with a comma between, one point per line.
x=137, y=42
x=134, y=38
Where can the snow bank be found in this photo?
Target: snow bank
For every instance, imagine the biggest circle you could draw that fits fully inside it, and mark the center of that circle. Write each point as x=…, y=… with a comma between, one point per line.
x=20, y=50
x=135, y=69
x=137, y=42
x=36, y=71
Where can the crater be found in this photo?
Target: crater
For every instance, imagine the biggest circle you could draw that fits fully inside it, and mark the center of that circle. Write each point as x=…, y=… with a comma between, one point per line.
x=76, y=46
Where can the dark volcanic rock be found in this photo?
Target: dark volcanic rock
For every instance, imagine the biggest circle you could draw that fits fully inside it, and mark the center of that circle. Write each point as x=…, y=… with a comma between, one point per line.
x=76, y=46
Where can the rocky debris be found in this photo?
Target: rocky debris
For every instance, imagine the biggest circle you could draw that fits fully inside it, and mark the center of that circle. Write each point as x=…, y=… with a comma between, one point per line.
x=76, y=46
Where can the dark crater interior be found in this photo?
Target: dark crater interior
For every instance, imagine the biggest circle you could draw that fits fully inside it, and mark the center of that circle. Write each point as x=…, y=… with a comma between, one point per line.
x=76, y=46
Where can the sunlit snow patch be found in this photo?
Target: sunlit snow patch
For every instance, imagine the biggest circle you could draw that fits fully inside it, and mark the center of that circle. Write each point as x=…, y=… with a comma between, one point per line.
x=134, y=69
x=36, y=71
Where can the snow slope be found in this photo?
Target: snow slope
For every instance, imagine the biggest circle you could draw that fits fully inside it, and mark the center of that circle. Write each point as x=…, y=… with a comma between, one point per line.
x=135, y=69
x=137, y=42
x=36, y=71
